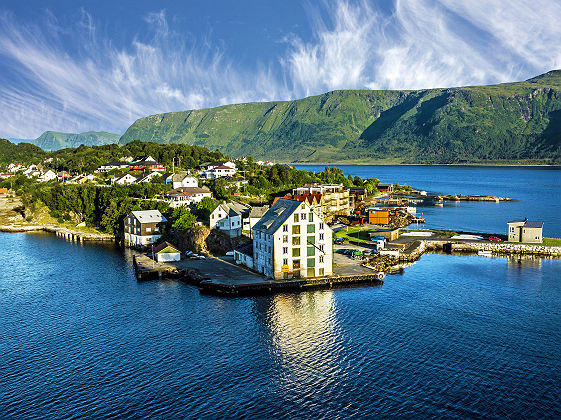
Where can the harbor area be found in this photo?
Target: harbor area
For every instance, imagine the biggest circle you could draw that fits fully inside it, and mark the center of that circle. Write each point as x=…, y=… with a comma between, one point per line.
x=221, y=276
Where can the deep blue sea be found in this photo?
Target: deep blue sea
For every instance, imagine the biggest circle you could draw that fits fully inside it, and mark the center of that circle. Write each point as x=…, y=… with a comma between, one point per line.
x=454, y=336
x=536, y=189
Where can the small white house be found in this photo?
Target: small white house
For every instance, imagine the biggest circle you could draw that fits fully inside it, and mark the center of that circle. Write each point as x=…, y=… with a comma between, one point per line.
x=228, y=218
x=166, y=252
x=146, y=177
x=47, y=176
x=182, y=179
x=123, y=179
x=221, y=171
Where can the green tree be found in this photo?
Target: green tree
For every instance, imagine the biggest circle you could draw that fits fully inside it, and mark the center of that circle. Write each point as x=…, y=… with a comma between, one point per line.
x=183, y=219
x=205, y=207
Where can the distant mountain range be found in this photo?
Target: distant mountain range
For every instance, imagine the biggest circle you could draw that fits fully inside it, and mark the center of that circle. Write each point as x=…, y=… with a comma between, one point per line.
x=511, y=122
x=54, y=140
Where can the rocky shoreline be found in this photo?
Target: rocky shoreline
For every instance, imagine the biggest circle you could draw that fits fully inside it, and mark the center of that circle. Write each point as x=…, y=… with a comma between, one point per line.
x=59, y=231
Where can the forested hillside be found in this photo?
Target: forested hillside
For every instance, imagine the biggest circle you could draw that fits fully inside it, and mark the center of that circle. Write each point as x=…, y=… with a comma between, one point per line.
x=512, y=122
x=19, y=153
x=52, y=140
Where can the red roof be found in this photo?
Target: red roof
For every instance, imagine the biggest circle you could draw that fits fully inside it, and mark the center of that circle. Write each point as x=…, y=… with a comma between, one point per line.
x=223, y=167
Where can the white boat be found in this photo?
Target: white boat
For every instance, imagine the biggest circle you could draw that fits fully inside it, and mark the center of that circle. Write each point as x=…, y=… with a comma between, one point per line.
x=485, y=253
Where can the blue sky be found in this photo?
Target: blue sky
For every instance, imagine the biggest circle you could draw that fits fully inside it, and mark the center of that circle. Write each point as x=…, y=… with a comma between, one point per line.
x=99, y=65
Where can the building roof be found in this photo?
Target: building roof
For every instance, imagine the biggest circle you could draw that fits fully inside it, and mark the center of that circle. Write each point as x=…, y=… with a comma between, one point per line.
x=533, y=224
x=275, y=217
x=385, y=185
x=180, y=176
x=246, y=249
x=165, y=247
x=116, y=164
x=528, y=223
x=149, y=216
x=234, y=209
x=224, y=167
x=258, y=211
x=187, y=191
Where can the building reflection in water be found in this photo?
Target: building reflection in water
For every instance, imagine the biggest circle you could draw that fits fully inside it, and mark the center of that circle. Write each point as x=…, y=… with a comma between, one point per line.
x=521, y=261
x=304, y=340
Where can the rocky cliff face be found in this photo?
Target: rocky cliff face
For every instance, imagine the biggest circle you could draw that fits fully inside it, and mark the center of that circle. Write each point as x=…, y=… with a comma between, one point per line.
x=507, y=122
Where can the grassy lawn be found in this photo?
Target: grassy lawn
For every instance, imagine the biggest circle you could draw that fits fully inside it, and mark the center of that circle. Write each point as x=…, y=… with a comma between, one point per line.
x=355, y=234
x=552, y=241
x=546, y=241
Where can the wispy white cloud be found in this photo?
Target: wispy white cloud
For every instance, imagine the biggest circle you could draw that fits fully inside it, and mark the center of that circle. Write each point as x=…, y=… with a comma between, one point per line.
x=419, y=44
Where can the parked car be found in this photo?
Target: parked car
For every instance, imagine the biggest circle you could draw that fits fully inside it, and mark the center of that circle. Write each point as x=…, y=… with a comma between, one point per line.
x=494, y=238
x=338, y=241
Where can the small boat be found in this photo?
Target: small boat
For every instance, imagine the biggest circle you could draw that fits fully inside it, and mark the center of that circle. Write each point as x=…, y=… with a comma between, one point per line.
x=485, y=253
x=438, y=204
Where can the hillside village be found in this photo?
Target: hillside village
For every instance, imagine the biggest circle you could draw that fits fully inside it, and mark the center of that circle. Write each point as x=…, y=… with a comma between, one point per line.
x=231, y=206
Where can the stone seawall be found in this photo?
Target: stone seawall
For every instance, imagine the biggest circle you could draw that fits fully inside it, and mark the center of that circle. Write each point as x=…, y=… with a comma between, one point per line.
x=507, y=248
x=417, y=248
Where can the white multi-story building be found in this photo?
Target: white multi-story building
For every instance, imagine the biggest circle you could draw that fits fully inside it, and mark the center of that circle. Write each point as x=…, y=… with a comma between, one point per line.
x=291, y=241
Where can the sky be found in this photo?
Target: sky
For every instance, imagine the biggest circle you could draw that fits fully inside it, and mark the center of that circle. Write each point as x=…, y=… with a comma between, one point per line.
x=81, y=65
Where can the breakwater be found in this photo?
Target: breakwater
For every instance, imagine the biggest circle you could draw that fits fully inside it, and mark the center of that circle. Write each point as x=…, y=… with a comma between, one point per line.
x=71, y=235
x=414, y=250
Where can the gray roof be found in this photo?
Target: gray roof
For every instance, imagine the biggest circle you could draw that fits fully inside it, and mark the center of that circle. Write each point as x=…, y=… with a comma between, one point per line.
x=259, y=211
x=149, y=216
x=246, y=249
x=276, y=215
x=180, y=176
x=235, y=208
x=528, y=223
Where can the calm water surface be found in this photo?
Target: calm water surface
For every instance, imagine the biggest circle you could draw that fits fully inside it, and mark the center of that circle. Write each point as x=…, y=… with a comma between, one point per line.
x=536, y=189
x=454, y=336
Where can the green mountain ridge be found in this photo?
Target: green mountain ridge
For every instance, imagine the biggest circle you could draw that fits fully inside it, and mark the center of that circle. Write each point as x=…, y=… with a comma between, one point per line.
x=509, y=122
x=53, y=140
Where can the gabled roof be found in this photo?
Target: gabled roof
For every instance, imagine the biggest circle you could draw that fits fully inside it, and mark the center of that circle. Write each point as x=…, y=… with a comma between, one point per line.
x=121, y=175
x=271, y=222
x=180, y=176
x=149, y=216
x=165, y=247
x=187, y=191
x=528, y=223
x=258, y=211
x=224, y=167
x=234, y=209
x=533, y=224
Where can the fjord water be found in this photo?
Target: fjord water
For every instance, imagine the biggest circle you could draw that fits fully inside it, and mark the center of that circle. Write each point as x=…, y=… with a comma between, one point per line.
x=454, y=336
x=536, y=189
